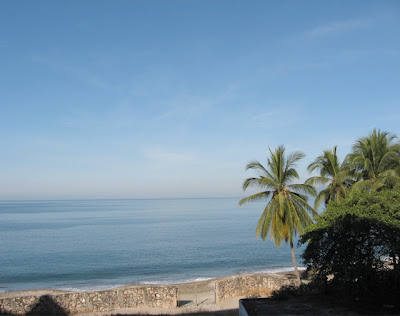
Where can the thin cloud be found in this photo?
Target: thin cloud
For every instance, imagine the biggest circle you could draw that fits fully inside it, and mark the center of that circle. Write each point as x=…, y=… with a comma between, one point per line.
x=160, y=155
x=338, y=27
x=333, y=28
x=190, y=106
x=276, y=115
x=263, y=116
x=340, y=58
x=111, y=119
x=79, y=72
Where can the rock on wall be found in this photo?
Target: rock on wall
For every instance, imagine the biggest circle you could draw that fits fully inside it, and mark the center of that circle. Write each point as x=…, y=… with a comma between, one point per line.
x=249, y=284
x=91, y=301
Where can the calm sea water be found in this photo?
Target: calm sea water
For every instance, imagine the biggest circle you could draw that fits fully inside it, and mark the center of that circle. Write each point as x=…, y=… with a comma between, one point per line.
x=98, y=244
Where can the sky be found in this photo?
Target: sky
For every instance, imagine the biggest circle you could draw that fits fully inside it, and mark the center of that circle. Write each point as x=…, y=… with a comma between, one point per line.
x=171, y=99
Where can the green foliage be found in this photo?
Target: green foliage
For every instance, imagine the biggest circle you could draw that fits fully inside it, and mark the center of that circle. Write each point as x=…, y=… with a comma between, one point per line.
x=351, y=239
x=332, y=172
x=286, y=213
x=377, y=159
x=285, y=292
x=288, y=291
x=287, y=210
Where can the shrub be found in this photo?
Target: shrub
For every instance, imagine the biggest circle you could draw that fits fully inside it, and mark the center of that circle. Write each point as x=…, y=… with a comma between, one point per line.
x=356, y=243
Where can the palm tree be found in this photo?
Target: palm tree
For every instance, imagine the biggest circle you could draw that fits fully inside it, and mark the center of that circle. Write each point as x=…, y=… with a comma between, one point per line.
x=377, y=159
x=336, y=174
x=286, y=212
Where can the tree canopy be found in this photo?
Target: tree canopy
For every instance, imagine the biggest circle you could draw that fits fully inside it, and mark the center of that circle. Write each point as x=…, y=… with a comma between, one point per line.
x=377, y=160
x=361, y=223
x=356, y=240
x=286, y=212
x=334, y=174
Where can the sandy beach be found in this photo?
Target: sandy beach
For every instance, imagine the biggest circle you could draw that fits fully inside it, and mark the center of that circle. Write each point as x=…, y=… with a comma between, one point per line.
x=197, y=298
x=228, y=307
x=194, y=298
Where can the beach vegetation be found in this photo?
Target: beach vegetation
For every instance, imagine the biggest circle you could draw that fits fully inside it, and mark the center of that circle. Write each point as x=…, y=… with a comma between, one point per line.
x=287, y=211
x=334, y=174
x=376, y=158
x=355, y=245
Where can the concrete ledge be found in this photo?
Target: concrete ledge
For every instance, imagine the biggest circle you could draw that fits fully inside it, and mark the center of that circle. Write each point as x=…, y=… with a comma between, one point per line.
x=302, y=305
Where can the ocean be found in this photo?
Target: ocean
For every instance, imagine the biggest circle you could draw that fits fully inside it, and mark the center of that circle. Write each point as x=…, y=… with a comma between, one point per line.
x=100, y=244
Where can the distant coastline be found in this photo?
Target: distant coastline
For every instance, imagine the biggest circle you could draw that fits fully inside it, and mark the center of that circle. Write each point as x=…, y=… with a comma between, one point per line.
x=117, y=199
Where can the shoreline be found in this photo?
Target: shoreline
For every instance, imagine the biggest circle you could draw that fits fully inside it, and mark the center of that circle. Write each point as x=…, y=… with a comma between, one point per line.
x=217, y=296
x=72, y=289
x=39, y=292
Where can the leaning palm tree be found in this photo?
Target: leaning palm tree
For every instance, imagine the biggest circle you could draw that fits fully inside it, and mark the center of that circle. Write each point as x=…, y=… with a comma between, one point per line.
x=377, y=158
x=332, y=172
x=286, y=212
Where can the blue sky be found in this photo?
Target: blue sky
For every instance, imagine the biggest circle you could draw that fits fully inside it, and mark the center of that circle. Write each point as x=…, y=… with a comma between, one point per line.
x=154, y=99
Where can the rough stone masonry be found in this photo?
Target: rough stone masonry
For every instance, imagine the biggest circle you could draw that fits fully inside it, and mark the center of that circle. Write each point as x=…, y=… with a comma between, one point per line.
x=91, y=301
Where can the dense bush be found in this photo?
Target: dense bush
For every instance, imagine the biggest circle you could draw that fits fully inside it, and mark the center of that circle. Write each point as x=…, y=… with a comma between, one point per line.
x=355, y=244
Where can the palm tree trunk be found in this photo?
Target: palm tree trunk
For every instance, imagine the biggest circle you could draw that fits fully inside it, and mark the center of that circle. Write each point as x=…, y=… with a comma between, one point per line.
x=296, y=270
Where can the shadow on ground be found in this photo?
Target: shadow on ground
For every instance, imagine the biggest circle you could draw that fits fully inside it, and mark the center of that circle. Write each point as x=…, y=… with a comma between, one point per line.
x=44, y=306
x=229, y=312
x=47, y=306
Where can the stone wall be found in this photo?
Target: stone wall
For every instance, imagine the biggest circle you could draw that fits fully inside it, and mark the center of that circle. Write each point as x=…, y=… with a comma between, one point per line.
x=91, y=301
x=207, y=292
x=249, y=284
